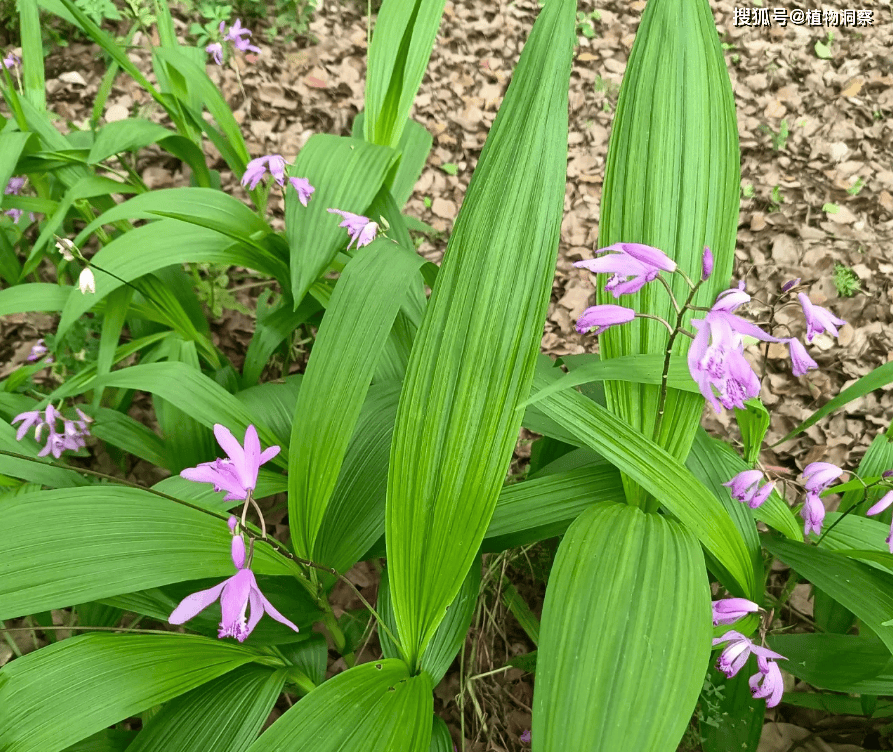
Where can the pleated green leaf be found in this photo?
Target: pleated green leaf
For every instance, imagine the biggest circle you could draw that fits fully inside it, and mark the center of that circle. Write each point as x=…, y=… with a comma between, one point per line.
x=877, y=460
x=441, y=741
x=33, y=296
x=625, y=637
x=224, y=715
x=542, y=508
x=347, y=173
x=398, y=55
x=89, y=543
x=156, y=246
x=864, y=590
x=659, y=473
x=450, y=635
x=354, y=518
x=671, y=181
x=348, y=345
x=65, y=692
x=33, y=81
x=40, y=471
x=374, y=707
x=474, y=354
x=740, y=714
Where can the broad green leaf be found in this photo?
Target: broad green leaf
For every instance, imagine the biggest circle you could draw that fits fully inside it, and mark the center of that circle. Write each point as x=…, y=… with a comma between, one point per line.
x=33, y=296
x=122, y=431
x=544, y=507
x=864, y=590
x=638, y=369
x=39, y=471
x=224, y=715
x=65, y=692
x=191, y=391
x=204, y=207
x=348, y=344
x=354, y=517
x=441, y=741
x=347, y=174
x=450, y=635
x=879, y=377
x=89, y=543
x=398, y=55
x=274, y=325
x=373, y=707
x=273, y=404
x=625, y=629
x=474, y=355
x=660, y=474
x=672, y=180
x=156, y=246
x=125, y=135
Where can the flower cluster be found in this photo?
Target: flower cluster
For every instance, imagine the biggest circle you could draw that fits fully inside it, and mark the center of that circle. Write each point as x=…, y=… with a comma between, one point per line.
x=767, y=682
x=71, y=436
x=241, y=602
x=817, y=477
x=237, y=35
x=275, y=164
x=746, y=488
x=716, y=357
x=14, y=188
x=359, y=228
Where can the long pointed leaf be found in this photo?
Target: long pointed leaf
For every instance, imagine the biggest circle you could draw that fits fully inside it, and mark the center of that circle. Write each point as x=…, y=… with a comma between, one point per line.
x=474, y=354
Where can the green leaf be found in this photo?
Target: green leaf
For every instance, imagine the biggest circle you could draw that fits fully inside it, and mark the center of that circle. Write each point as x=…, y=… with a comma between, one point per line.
x=865, y=591
x=347, y=174
x=457, y=423
x=544, y=507
x=843, y=663
x=449, y=168
x=441, y=741
x=32, y=53
x=753, y=422
x=398, y=55
x=89, y=543
x=69, y=690
x=348, y=345
x=877, y=460
x=822, y=50
x=451, y=633
x=124, y=432
x=879, y=377
x=33, y=296
x=736, y=721
x=638, y=369
x=829, y=208
x=224, y=715
x=657, y=472
x=376, y=707
x=672, y=180
x=626, y=626
x=274, y=325
x=155, y=246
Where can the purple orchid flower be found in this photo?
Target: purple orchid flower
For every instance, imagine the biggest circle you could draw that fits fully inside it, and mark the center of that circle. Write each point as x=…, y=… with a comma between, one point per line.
x=303, y=187
x=236, y=595
x=790, y=284
x=11, y=61
x=215, y=49
x=631, y=266
x=71, y=437
x=237, y=474
x=745, y=488
x=730, y=610
x=29, y=418
x=257, y=168
x=525, y=737
x=359, y=228
x=818, y=319
x=819, y=475
x=14, y=188
x=772, y=686
x=813, y=514
x=238, y=36
x=885, y=501
x=736, y=653
x=38, y=350
x=800, y=359
x=604, y=316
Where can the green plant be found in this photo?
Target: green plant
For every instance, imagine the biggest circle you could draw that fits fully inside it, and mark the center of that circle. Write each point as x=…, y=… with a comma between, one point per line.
x=779, y=140
x=586, y=23
x=775, y=199
x=747, y=190
x=857, y=186
x=99, y=10
x=846, y=281
x=823, y=48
